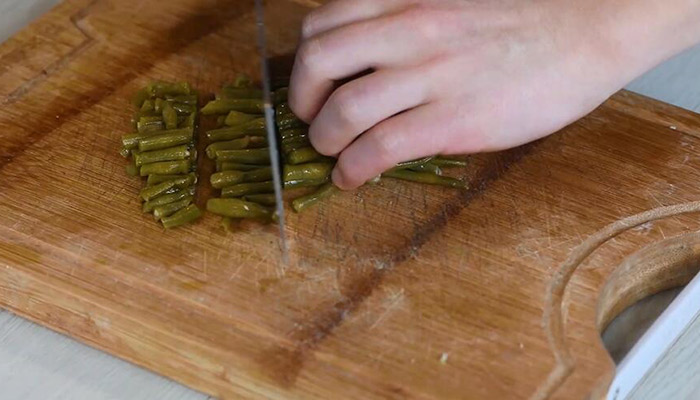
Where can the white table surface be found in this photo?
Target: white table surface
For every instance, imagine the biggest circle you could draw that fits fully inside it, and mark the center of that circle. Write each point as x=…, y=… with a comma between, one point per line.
x=39, y=364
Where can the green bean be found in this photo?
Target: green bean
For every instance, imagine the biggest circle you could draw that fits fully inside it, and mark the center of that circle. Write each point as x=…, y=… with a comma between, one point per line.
x=282, y=109
x=237, y=208
x=290, y=122
x=140, y=97
x=236, y=144
x=304, y=202
x=131, y=141
x=303, y=155
x=237, y=118
x=166, y=139
x=132, y=170
x=160, y=88
x=225, y=106
x=280, y=96
x=411, y=163
x=305, y=183
x=263, y=199
x=294, y=132
x=242, y=81
x=171, y=208
x=181, y=181
x=147, y=106
x=149, y=123
x=156, y=179
x=151, y=192
x=220, y=121
x=242, y=189
x=255, y=127
x=245, y=156
x=184, y=99
x=427, y=167
x=233, y=166
x=185, y=216
x=189, y=121
x=222, y=179
x=168, y=198
x=294, y=143
x=258, y=175
x=169, y=116
x=309, y=171
x=166, y=168
x=170, y=154
x=124, y=152
x=449, y=162
x=158, y=105
x=230, y=93
x=184, y=109
x=426, y=177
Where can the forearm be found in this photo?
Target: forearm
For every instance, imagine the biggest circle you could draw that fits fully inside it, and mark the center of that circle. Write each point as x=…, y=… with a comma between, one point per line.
x=644, y=33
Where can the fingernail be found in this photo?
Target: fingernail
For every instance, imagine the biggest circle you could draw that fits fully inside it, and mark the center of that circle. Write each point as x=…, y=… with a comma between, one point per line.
x=337, y=178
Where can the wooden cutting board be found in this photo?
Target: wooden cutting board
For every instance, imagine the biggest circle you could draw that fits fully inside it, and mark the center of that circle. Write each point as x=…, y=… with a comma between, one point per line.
x=394, y=291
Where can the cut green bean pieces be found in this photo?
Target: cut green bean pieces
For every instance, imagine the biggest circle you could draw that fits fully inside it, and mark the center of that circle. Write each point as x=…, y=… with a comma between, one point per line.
x=299, y=183
x=151, y=192
x=156, y=179
x=292, y=133
x=303, y=155
x=147, y=106
x=254, y=127
x=304, y=202
x=242, y=189
x=149, y=124
x=236, y=144
x=449, y=162
x=242, y=81
x=140, y=97
x=166, y=139
x=225, y=106
x=166, y=168
x=237, y=208
x=233, y=166
x=189, y=121
x=294, y=143
x=427, y=167
x=169, y=209
x=187, y=215
x=425, y=177
x=132, y=170
x=124, y=152
x=184, y=109
x=169, y=116
x=258, y=175
x=263, y=199
x=170, y=154
x=412, y=163
x=237, y=118
x=290, y=122
x=168, y=198
x=183, y=99
x=245, y=156
x=311, y=171
x=222, y=179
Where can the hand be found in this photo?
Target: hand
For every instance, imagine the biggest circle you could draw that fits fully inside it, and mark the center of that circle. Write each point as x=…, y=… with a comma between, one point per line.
x=455, y=76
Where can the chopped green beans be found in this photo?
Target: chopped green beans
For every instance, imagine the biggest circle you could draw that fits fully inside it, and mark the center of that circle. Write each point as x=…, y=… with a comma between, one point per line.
x=427, y=167
x=149, y=124
x=258, y=175
x=412, y=163
x=169, y=116
x=449, y=162
x=298, y=183
x=161, y=89
x=235, y=144
x=156, y=179
x=166, y=139
x=254, y=127
x=226, y=178
x=303, y=155
x=242, y=81
x=225, y=106
x=301, y=203
x=233, y=166
x=168, y=198
x=132, y=170
x=245, y=156
x=170, y=154
x=237, y=208
x=169, y=209
x=426, y=177
x=243, y=189
x=166, y=168
x=151, y=192
x=237, y=118
x=240, y=93
x=312, y=171
x=186, y=215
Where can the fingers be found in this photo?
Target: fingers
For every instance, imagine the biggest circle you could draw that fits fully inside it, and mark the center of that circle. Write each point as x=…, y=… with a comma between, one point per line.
x=344, y=12
x=346, y=51
x=425, y=131
x=364, y=102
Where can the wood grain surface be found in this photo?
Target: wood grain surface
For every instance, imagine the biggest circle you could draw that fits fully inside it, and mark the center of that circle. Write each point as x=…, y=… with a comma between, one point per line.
x=398, y=290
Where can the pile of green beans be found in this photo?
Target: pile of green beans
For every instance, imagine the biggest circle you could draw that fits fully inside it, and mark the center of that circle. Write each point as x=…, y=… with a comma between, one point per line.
x=162, y=150
x=239, y=148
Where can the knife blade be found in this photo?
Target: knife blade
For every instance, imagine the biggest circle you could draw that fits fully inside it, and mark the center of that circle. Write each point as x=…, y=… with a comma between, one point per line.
x=270, y=127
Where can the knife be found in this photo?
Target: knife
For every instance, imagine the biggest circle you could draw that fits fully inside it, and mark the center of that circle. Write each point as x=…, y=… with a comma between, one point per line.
x=270, y=127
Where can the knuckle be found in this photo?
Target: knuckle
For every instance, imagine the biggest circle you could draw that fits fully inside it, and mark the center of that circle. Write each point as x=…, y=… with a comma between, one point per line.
x=321, y=143
x=308, y=25
x=309, y=54
x=345, y=172
x=346, y=105
x=424, y=21
x=385, y=145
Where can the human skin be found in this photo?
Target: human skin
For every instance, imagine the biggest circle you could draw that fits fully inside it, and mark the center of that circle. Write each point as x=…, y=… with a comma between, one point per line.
x=468, y=76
